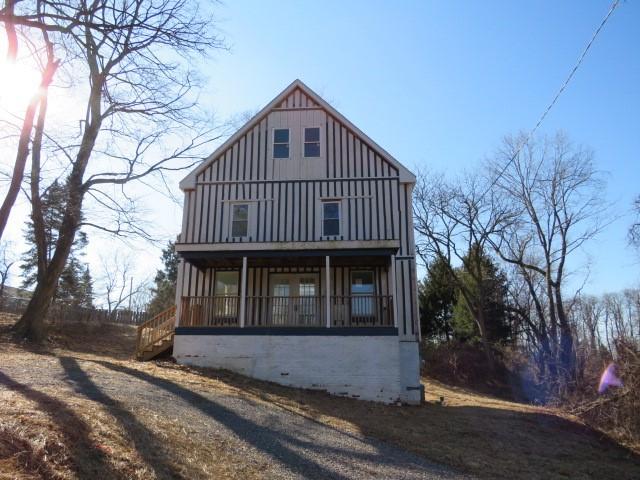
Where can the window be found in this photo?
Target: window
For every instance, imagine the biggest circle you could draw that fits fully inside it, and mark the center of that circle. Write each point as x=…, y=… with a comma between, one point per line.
x=280, y=143
x=331, y=218
x=312, y=142
x=227, y=284
x=362, y=282
x=240, y=220
x=362, y=295
x=225, y=303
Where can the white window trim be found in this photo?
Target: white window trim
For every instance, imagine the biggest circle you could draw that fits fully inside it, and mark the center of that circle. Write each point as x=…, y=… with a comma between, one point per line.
x=319, y=140
x=339, y=202
x=231, y=205
x=274, y=143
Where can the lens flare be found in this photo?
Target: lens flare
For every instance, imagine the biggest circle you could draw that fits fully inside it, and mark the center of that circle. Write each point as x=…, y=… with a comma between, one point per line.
x=609, y=379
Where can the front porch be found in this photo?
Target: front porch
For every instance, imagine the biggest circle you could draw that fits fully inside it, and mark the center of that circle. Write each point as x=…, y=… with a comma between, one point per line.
x=288, y=311
x=324, y=320
x=303, y=291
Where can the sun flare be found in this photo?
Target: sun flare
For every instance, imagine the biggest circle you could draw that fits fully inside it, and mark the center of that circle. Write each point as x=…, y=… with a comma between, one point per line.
x=19, y=82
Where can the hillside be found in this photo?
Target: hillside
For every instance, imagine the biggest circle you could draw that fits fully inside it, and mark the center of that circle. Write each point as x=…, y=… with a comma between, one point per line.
x=84, y=406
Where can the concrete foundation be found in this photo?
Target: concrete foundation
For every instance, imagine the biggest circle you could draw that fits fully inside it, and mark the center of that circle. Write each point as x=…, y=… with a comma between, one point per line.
x=378, y=368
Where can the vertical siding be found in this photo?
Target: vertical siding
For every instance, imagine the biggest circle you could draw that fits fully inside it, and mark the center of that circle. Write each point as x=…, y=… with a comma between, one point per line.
x=285, y=197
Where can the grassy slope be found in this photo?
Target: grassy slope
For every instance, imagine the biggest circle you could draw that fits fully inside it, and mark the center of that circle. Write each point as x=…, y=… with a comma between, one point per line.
x=485, y=436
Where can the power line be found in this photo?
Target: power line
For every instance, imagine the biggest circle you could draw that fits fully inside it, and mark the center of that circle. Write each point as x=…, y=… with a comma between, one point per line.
x=614, y=5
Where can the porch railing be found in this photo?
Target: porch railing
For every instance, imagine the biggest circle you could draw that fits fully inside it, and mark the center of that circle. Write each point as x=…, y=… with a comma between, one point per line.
x=361, y=311
x=221, y=311
x=276, y=311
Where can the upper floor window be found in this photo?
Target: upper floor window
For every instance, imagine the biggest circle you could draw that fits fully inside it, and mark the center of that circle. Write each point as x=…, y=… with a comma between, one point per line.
x=240, y=220
x=280, y=143
x=312, y=142
x=330, y=218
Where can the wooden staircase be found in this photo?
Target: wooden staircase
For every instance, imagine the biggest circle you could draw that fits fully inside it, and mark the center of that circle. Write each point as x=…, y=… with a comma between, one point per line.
x=155, y=336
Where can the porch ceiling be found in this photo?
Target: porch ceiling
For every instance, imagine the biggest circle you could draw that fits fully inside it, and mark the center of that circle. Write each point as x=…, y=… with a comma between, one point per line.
x=266, y=258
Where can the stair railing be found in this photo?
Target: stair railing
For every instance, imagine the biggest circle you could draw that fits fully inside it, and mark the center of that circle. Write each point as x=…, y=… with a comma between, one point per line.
x=156, y=329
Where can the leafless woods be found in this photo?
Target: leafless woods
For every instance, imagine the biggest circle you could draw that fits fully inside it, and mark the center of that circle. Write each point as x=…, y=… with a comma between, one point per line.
x=530, y=208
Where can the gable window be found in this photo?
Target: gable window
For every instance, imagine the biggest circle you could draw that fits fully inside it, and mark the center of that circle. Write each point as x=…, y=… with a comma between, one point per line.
x=280, y=143
x=312, y=142
x=240, y=220
x=330, y=218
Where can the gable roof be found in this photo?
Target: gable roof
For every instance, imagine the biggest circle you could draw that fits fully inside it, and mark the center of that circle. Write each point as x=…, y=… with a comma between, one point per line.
x=189, y=182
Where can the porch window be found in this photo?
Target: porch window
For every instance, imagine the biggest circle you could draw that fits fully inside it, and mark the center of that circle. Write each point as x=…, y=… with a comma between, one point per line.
x=312, y=142
x=362, y=294
x=226, y=295
x=240, y=220
x=280, y=143
x=330, y=218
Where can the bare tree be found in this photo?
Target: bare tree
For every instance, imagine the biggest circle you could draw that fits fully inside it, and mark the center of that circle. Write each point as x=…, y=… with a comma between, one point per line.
x=132, y=62
x=7, y=260
x=452, y=220
x=118, y=289
x=634, y=230
x=556, y=196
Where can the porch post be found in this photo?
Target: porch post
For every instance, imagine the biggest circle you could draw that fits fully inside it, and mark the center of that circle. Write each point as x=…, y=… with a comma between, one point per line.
x=327, y=291
x=393, y=291
x=243, y=291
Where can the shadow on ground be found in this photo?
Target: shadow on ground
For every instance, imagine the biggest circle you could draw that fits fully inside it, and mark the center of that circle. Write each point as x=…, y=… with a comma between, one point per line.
x=145, y=441
x=88, y=460
x=296, y=452
x=492, y=439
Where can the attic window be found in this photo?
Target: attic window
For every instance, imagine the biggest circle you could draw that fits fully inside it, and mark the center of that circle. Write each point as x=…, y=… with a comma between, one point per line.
x=280, y=143
x=312, y=142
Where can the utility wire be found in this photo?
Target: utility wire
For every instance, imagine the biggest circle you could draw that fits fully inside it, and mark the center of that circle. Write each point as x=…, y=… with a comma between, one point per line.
x=614, y=5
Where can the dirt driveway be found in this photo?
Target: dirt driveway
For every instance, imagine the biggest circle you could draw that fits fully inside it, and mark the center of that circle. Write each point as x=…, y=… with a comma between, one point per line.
x=117, y=418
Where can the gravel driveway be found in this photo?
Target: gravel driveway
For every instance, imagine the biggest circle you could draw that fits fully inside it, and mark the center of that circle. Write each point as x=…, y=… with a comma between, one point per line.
x=284, y=444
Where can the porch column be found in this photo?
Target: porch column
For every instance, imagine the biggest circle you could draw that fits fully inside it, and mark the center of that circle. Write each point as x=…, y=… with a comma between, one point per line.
x=393, y=291
x=243, y=291
x=327, y=289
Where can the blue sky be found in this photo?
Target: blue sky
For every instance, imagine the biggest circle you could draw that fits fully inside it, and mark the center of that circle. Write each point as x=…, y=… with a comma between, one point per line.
x=438, y=84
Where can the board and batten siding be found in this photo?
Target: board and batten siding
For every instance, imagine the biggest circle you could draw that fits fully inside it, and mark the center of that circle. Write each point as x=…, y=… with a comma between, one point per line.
x=285, y=195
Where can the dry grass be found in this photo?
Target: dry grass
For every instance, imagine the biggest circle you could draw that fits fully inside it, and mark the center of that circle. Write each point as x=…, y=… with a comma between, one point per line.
x=485, y=436
x=481, y=435
x=55, y=432
x=8, y=319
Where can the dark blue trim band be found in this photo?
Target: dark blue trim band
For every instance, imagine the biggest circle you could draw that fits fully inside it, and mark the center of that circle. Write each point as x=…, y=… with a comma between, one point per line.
x=292, y=331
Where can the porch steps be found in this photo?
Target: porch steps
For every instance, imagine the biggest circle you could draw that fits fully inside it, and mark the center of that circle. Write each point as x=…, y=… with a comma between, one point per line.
x=155, y=336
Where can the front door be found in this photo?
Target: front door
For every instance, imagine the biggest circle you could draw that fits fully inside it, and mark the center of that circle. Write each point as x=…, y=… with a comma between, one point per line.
x=295, y=299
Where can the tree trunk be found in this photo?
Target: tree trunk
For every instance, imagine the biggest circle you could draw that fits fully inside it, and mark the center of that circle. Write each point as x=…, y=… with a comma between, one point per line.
x=19, y=165
x=36, y=201
x=32, y=323
x=483, y=338
x=567, y=351
x=23, y=147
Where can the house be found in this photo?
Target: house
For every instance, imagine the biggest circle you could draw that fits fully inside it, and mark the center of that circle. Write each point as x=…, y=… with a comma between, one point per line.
x=297, y=257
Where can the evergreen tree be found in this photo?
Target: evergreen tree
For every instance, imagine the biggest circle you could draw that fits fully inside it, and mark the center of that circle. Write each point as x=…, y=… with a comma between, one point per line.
x=164, y=292
x=436, y=297
x=489, y=286
x=74, y=286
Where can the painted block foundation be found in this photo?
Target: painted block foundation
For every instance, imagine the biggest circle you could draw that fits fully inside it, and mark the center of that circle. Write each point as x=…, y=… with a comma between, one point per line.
x=377, y=368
